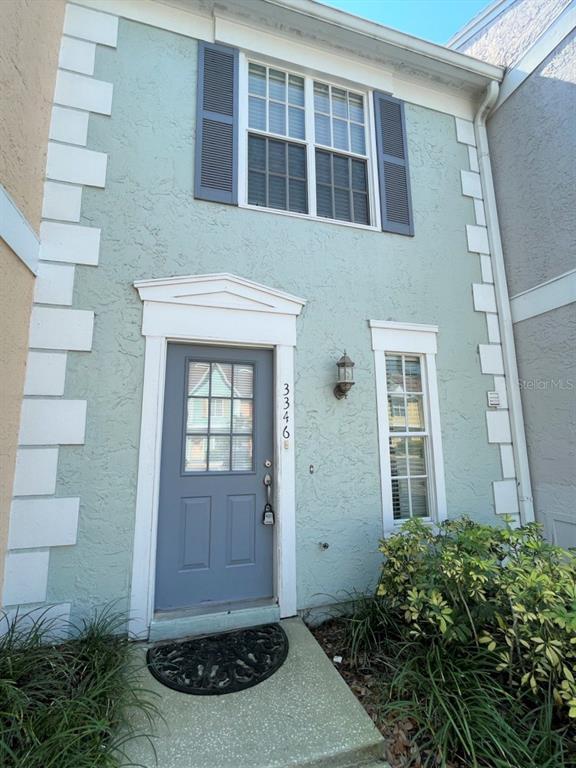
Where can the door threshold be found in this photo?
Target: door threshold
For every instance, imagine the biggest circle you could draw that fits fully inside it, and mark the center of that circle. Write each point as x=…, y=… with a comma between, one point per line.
x=210, y=619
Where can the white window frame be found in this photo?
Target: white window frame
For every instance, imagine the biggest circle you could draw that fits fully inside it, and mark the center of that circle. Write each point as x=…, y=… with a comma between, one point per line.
x=420, y=340
x=309, y=142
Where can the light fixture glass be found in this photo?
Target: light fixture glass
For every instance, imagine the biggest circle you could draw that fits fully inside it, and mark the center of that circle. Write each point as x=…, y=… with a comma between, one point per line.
x=345, y=380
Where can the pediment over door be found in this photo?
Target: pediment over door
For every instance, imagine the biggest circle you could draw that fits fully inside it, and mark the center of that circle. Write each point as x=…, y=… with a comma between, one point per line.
x=219, y=291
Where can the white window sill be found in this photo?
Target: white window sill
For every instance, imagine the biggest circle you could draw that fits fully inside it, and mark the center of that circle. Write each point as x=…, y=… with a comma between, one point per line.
x=308, y=217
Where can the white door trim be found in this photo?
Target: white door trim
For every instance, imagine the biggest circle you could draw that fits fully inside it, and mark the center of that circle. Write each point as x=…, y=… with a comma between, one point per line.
x=213, y=309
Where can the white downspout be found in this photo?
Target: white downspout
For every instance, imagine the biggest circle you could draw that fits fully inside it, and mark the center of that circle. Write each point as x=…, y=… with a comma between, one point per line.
x=503, y=303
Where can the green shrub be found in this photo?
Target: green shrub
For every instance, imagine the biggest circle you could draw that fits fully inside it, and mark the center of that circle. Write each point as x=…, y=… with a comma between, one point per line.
x=504, y=591
x=67, y=704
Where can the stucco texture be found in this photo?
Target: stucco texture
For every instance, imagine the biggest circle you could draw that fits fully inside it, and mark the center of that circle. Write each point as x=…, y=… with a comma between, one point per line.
x=513, y=31
x=153, y=227
x=547, y=367
x=30, y=33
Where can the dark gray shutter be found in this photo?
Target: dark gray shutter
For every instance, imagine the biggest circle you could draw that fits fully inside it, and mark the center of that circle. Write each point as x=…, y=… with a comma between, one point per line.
x=217, y=124
x=395, y=199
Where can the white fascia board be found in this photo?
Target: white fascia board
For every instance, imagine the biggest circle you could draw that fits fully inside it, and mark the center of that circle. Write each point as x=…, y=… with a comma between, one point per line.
x=545, y=297
x=478, y=22
x=52, y=422
x=17, y=232
x=37, y=523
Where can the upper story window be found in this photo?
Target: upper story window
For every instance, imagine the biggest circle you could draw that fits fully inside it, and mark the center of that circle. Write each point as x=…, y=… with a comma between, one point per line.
x=282, y=140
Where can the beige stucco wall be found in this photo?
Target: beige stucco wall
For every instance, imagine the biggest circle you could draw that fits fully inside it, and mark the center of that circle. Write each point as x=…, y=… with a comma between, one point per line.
x=30, y=33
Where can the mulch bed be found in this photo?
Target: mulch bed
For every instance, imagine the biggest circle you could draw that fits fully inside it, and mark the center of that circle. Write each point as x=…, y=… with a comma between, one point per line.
x=364, y=682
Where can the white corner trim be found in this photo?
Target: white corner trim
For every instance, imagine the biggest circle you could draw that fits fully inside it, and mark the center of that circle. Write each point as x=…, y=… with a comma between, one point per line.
x=17, y=232
x=540, y=49
x=45, y=373
x=55, y=284
x=26, y=577
x=479, y=213
x=76, y=165
x=67, y=329
x=35, y=473
x=71, y=243
x=69, y=125
x=77, y=55
x=506, y=497
x=52, y=422
x=554, y=293
x=216, y=308
x=486, y=268
x=91, y=25
x=418, y=339
x=36, y=523
x=81, y=92
x=507, y=460
x=478, y=22
x=493, y=327
x=62, y=202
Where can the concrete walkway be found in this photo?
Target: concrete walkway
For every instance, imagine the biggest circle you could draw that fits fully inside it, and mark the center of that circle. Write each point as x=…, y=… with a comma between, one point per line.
x=304, y=715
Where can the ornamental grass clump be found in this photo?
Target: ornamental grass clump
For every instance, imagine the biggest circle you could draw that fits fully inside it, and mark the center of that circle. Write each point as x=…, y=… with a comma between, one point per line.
x=68, y=703
x=477, y=628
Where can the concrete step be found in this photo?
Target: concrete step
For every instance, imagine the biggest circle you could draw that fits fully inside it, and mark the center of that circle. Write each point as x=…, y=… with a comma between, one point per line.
x=304, y=715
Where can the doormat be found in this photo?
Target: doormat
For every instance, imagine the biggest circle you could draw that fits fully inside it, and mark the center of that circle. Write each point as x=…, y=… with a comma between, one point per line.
x=224, y=663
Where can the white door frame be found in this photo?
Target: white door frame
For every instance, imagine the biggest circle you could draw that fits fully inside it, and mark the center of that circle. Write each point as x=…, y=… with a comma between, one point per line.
x=213, y=309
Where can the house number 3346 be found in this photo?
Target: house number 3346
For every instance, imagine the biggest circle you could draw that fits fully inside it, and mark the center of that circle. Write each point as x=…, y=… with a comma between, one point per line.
x=286, y=412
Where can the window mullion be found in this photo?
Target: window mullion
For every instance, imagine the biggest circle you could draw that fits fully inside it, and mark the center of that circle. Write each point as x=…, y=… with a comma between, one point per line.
x=309, y=136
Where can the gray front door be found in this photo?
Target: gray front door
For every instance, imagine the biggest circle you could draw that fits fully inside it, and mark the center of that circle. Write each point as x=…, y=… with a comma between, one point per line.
x=212, y=544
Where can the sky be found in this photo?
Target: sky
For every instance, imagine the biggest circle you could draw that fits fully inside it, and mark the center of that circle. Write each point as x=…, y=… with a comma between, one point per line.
x=435, y=20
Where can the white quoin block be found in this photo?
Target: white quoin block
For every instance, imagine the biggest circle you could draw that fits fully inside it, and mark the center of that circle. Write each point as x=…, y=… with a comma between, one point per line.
x=479, y=213
x=45, y=373
x=69, y=125
x=80, y=92
x=76, y=165
x=35, y=472
x=505, y=497
x=465, y=132
x=72, y=243
x=498, y=423
x=477, y=239
x=37, y=523
x=471, y=186
x=507, y=461
x=54, y=284
x=77, y=55
x=61, y=201
x=26, y=577
x=484, y=297
x=69, y=329
x=52, y=422
x=491, y=360
x=493, y=328
x=91, y=25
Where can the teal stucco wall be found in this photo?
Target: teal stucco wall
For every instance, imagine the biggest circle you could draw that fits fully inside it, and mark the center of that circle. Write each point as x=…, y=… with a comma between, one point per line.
x=152, y=227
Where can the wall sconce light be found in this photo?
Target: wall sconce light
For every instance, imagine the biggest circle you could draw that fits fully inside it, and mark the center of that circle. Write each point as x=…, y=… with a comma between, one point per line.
x=345, y=380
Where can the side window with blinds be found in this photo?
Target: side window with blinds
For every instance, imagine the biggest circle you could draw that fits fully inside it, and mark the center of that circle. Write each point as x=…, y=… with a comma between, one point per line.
x=395, y=198
x=217, y=124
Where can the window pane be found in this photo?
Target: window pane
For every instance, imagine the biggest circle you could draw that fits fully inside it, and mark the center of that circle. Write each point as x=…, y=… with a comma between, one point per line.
x=296, y=90
x=219, y=457
x=241, y=453
x=340, y=134
x=359, y=175
x=242, y=416
x=256, y=188
x=341, y=171
x=358, y=142
x=277, y=118
x=197, y=417
x=243, y=380
x=342, y=205
x=277, y=157
x=257, y=113
x=415, y=406
x=297, y=196
x=195, y=455
x=339, y=103
x=277, y=85
x=396, y=413
x=277, y=192
x=400, y=499
x=221, y=380
x=321, y=98
x=322, y=129
x=417, y=455
x=297, y=161
x=256, y=153
x=220, y=415
x=419, y=498
x=323, y=168
x=356, y=107
x=296, y=122
x=257, y=79
x=394, y=381
x=198, y=379
x=360, y=200
x=398, y=464
x=413, y=374
x=324, y=201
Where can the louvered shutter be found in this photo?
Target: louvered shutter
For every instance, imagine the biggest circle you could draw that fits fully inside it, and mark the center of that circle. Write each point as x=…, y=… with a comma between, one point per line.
x=217, y=124
x=393, y=172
